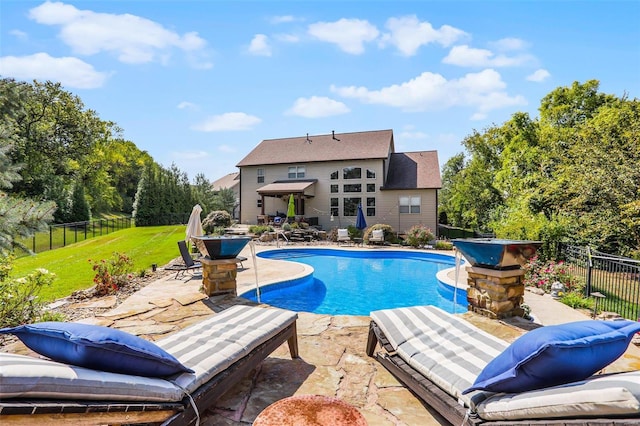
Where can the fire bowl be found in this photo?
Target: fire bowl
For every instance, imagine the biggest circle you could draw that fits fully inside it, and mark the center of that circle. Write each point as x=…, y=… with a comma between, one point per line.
x=220, y=247
x=495, y=253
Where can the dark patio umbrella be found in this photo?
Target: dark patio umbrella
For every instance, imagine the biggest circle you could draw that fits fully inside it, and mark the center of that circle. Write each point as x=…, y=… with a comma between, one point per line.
x=361, y=223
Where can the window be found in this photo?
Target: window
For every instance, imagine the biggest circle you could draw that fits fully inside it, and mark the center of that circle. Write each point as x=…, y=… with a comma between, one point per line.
x=371, y=174
x=371, y=187
x=296, y=172
x=334, y=175
x=259, y=203
x=350, y=207
x=410, y=205
x=371, y=206
x=354, y=187
x=334, y=189
x=351, y=173
x=334, y=207
x=260, y=176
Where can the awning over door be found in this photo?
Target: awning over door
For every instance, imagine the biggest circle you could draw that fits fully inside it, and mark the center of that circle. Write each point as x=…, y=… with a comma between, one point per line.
x=280, y=189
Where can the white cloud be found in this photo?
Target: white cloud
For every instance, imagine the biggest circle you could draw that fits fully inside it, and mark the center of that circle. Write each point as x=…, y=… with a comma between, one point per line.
x=509, y=43
x=413, y=135
x=230, y=121
x=187, y=105
x=317, y=106
x=287, y=38
x=349, y=34
x=260, y=45
x=283, y=19
x=132, y=39
x=408, y=34
x=466, y=56
x=70, y=72
x=20, y=35
x=539, y=76
x=190, y=155
x=484, y=91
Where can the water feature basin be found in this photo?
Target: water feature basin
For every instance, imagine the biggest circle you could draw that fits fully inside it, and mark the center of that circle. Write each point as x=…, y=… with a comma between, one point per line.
x=499, y=254
x=220, y=247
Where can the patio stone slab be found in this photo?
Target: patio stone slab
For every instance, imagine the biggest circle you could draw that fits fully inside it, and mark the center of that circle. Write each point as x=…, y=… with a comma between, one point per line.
x=405, y=407
x=103, y=302
x=312, y=324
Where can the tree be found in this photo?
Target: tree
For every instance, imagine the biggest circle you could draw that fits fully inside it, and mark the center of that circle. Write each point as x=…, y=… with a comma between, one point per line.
x=571, y=175
x=164, y=197
x=19, y=217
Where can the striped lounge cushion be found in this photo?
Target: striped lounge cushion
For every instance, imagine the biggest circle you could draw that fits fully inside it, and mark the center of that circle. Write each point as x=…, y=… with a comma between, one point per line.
x=29, y=377
x=212, y=345
x=446, y=349
x=606, y=395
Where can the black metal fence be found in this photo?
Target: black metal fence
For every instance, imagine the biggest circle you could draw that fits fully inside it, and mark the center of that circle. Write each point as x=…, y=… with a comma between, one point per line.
x=60, y=235
x=616, y=278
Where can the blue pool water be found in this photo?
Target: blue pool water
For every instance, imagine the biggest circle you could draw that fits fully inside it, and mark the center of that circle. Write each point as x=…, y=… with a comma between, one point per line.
x=358, y=282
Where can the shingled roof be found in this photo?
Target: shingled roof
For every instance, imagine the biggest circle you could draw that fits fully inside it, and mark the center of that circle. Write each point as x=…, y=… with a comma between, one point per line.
x=341, y=146
x=228, y=181
x=414, y=170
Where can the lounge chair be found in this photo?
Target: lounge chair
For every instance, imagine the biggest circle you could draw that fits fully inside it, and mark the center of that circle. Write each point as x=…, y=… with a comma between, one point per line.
x=189, y=263
x=221, y=350
x=438, y=355
x=343, y=236
x=377, y=237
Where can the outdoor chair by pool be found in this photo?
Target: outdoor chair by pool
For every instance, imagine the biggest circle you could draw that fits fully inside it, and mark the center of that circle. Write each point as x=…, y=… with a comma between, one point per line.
x=189, y=263
x=343, y=236
x=220, y=352
x=377, y=237
x=441, y=357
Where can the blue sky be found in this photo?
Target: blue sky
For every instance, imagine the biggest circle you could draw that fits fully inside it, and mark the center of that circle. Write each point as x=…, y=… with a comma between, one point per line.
x=201, y=83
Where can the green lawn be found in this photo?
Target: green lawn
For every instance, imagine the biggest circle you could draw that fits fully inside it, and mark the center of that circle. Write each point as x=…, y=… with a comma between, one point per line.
x=71, y=264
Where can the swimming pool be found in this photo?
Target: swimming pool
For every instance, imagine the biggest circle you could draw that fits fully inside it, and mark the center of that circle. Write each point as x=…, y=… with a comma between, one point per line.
x=349, y=282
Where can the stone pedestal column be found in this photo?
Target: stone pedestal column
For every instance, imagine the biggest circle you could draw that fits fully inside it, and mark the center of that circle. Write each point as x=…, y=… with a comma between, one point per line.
x=219, y=276
x=494, y=293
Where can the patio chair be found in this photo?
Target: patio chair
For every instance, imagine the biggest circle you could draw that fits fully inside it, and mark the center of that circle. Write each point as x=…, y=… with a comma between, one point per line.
x=189, y=263
x=438, y=356
x=221, y=351
x=343, y=236
x=377, y=237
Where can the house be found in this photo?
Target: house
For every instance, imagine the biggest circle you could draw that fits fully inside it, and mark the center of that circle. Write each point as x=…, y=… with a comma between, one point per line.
x=230, y=181
x=329, y=175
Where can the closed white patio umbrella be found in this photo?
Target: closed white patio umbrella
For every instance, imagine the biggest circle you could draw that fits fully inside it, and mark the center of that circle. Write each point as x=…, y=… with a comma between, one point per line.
x=194, y=226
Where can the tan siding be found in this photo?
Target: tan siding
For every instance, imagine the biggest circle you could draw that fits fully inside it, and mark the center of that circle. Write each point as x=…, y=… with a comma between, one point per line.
x=319, y=206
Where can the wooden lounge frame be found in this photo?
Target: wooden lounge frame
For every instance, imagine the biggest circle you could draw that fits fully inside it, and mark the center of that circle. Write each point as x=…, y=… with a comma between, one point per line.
x=81, y=413
x=448, y=406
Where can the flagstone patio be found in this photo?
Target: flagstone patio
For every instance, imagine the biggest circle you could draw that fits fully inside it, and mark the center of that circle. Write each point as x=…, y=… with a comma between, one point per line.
x=332, y=349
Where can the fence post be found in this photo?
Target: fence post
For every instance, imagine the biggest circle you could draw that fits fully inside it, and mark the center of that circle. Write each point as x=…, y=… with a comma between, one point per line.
x=589, y=270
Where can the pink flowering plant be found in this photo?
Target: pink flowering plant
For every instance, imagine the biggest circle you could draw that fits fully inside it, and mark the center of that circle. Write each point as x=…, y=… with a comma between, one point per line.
x=112, y=274
x=542, y=274
x=419, y=235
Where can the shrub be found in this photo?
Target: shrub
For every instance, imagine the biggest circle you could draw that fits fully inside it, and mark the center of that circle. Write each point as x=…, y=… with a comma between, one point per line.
x=260, y=229
x=542, y=274
x=111, y=274
x=419, y=235
x=19, y=302
x=576, y=300
x=443, y=245
x=216, y=219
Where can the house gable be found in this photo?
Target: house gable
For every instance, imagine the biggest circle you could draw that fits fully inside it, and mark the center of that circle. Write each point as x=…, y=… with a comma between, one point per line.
x=413, y=170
